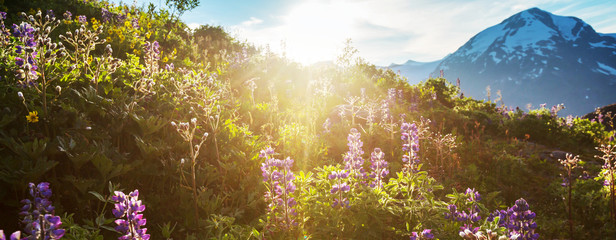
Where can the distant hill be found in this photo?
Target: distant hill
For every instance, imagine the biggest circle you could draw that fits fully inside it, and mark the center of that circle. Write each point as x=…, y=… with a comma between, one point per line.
x=537, y=57
x=414, y=71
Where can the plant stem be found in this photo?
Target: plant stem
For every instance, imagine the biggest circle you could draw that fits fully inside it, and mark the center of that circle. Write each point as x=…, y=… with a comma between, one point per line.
x=194, y=182
x=570, y=218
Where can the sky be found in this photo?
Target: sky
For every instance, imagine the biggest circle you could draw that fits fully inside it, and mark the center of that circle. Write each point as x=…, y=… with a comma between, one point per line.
x=383, y=31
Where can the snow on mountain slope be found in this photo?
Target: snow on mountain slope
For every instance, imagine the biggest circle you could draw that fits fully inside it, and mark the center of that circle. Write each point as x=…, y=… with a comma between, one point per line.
x=537, y=57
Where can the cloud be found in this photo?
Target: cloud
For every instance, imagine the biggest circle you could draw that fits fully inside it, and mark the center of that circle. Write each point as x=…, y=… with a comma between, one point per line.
x=252, y=21
x=389, y=31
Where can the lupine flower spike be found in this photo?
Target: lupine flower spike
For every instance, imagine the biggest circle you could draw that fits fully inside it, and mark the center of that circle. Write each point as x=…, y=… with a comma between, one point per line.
x=278, y=177
x=410, y=146
x=38, y=215
x=128, y=210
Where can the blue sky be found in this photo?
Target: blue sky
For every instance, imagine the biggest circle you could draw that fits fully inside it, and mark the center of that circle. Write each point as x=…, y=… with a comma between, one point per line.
x=384, y=31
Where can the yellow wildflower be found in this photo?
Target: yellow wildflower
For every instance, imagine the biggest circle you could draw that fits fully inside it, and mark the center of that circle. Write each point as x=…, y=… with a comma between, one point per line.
x=32, y=117
x=95, y=23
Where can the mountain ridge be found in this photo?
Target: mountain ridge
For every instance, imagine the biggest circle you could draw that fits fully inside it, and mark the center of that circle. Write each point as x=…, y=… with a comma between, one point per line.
x=536, y=57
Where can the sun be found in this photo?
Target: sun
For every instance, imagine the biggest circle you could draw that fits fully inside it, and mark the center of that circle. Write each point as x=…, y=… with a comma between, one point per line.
x=315, y=31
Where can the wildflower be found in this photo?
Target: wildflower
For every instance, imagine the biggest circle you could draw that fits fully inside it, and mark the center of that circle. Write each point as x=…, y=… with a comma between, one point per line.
x=327, y=125
x=169, y=67
x=278, y=178
x=379, y=167
x=130, y=208
x=32, y=117
x=14, y=236
x=82, y=18
x=453, y=212
x=135, y=23
x=106, y=15
x=473, y=196
x=410, y=145
x=425, y=234
x=518, y=220
x=38, y=214
x=339, y=188
x=353, y=158
x=20, y=95
x=67, y=15
x=19, y=61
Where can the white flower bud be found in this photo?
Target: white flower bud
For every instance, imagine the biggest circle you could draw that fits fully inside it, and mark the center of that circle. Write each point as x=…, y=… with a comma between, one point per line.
x=20, y=95
x=193, y=121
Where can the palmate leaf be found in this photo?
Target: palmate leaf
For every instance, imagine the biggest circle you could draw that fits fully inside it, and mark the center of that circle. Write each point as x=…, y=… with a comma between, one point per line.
x=107, y=168
x=77, y=158
x=149, y=125
x=81, y=184
x=7, y=119
x=29, y=162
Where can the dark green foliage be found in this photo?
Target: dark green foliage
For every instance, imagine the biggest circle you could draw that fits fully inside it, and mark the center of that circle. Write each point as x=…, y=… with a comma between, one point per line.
x=109, y=128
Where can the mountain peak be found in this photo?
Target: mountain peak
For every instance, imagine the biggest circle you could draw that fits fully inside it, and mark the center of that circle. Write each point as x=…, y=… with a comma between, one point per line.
x=532, y=53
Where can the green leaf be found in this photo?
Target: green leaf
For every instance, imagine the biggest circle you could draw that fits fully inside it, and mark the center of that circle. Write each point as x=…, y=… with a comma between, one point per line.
x=97, y=195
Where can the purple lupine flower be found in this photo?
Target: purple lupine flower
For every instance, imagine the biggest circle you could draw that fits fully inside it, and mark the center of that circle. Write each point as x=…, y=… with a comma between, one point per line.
x=169, y=67
x=353, y=158
x=278, y=178
x=151, y=53
x=410, y=146
x=473, y=196
x=518, y=220
x=135, y=23
x=38, y=214
x=19, y=61
x=130, y=220
x=386, y=112
x=67, y=15
x=106, y=15
x=14, y=236
x=50, y=14
x=569, y=121
x=468, y=227
x=23, y=31
x=453, y=212
x=339, y=188
x=426, y=234
x=327, y=125
x=120, y=18
x=379, y=167
x=391, y=95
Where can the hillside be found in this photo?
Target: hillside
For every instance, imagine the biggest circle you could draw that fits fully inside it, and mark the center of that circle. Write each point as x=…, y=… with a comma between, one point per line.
x=117, y=123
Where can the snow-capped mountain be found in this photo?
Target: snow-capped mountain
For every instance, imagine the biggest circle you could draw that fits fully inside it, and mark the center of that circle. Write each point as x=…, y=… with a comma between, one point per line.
x=536, y=57
x=414, y=71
